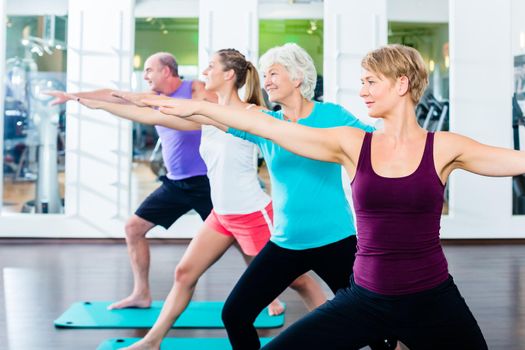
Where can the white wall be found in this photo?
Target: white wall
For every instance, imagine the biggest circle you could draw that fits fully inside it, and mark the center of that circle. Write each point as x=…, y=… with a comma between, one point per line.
x=351, y=29
x=228, y=24
x=480, y=93
x=167, y=8
x=269, y=10
x=420, y=10
x=518, y=27
x=36, y=8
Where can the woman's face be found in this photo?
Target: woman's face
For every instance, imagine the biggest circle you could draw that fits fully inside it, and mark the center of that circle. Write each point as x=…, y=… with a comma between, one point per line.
x=214, y=75
x=278, y=84
x=378, y=92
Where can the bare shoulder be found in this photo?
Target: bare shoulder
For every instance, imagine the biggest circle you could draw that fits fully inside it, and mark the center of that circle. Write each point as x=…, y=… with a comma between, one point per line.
x=450, y=147
x=451, y=140
x=351, y=140
x=197, y=85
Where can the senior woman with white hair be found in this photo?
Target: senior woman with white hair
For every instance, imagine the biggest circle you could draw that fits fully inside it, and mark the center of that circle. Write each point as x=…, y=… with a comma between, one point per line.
x=313, y=223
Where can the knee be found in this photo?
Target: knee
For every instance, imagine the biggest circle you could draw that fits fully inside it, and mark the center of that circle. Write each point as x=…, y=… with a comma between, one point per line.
x=134, y=230
x=230, y=314
x=184, y=276
x=301, y=283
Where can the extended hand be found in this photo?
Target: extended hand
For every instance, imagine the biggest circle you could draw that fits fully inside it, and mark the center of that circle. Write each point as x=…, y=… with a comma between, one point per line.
x=91, y=104
x=174, y=106
x=60, y=97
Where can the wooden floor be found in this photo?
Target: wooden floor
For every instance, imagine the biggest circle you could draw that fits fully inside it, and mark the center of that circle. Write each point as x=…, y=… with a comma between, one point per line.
x=41, y=278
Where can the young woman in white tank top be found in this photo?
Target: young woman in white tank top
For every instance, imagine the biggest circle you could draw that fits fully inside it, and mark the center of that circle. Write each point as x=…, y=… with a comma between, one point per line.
x=242, y=213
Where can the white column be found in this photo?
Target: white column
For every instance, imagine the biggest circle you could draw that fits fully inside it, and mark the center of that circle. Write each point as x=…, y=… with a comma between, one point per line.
x=228, y=24
x=98, y=149
x=351, y=29
x=518, y=27
x=480, y=101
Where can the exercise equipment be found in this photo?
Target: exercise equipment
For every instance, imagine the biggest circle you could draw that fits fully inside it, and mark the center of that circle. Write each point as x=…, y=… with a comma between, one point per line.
x=433, y=114
x=176, y=343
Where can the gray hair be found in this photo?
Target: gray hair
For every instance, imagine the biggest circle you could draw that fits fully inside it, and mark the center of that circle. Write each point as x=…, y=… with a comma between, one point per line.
x=166, y=59
x=297, y=62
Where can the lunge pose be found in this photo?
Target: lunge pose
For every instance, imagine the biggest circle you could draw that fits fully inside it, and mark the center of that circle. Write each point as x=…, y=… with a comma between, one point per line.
x=314, y=228
x=400, y=285
x=184, y=187
x=242, y=213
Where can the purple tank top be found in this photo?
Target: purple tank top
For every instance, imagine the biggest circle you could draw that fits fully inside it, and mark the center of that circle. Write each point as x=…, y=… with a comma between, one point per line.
x=398, y=221
x=180, y=149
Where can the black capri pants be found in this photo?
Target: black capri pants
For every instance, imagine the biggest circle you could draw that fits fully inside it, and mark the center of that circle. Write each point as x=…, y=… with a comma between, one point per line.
x=434, y=319
x=271, y=272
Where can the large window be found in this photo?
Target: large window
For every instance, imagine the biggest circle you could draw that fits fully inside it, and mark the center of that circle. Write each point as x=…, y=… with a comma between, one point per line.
x=34, y=131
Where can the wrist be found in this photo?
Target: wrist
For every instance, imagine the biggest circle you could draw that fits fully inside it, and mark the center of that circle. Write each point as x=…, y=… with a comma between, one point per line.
x=200, y=108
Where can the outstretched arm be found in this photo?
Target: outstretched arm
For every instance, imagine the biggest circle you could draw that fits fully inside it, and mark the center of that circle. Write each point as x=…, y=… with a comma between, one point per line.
x=107, y=95
x=137, y=100
x=142, y=115
x=320, y=144
x=470, y=155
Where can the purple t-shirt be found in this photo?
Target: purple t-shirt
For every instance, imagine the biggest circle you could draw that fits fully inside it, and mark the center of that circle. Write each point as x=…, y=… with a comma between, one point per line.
x=398, y=248
x=180, y=149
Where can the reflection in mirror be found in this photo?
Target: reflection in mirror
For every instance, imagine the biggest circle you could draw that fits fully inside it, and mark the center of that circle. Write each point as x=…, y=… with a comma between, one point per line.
x=34, y=131
x=518, y=131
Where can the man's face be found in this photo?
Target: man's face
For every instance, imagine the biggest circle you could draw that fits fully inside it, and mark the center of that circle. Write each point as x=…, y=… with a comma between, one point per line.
x=155, y=73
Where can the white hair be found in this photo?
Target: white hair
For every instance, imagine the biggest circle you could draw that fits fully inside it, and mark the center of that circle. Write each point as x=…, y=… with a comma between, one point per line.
x=296, y=61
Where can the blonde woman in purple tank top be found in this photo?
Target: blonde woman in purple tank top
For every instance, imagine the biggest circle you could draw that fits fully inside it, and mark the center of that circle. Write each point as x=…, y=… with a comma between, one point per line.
x=401, y=287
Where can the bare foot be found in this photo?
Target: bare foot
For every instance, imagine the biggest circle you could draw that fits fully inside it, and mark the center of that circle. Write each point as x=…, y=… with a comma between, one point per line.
x=275, y=308
x=131, y=301
x=142, y=345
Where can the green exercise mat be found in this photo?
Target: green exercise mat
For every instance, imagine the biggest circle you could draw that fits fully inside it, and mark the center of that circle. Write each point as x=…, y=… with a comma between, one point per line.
x=176, y=343
x=199, y=314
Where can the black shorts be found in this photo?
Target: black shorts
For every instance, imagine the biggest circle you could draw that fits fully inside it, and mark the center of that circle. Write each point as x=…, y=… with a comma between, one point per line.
x=175, y=198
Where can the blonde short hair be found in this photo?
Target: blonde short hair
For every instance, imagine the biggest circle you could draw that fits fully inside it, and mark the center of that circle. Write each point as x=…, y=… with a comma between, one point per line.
x=394, y=61
x=297, y=62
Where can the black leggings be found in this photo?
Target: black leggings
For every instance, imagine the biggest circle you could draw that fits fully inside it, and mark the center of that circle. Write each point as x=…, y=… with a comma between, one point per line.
x=435, y=319
x=270, y=272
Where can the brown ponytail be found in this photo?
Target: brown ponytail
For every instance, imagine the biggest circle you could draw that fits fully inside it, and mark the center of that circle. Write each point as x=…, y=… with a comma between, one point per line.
x=253, y=92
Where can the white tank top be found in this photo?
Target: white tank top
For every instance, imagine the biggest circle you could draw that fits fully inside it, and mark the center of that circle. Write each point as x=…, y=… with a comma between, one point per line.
x=232, y=170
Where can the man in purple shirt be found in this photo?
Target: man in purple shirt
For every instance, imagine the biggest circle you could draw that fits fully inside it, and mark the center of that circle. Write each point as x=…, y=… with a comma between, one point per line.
x=184, y=187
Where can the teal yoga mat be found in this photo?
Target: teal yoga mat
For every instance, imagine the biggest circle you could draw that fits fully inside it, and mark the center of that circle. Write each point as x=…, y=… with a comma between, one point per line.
x=176, y=343
x=199, y=314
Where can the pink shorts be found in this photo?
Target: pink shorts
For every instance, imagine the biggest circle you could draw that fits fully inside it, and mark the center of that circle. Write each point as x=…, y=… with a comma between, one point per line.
x=252, y=231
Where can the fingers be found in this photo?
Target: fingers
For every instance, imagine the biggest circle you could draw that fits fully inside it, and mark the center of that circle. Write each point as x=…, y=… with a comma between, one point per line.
x=167, y=110
x=52, y=93
x=153, y=103
x=70, y=97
